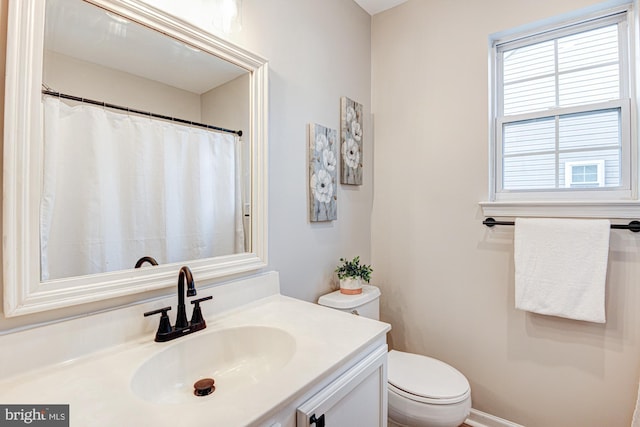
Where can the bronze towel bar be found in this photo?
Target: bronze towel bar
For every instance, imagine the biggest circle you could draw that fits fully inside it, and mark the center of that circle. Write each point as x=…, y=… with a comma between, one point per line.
x=632, y=226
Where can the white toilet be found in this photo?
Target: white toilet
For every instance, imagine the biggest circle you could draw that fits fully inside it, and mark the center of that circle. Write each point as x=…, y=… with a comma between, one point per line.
x=422, y=391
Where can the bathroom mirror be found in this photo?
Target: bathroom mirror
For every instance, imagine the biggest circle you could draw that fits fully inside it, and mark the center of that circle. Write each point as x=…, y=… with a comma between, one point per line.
x=112, y=51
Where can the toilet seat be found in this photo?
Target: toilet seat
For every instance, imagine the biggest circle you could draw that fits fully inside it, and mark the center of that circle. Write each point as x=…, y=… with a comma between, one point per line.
x=424, y=379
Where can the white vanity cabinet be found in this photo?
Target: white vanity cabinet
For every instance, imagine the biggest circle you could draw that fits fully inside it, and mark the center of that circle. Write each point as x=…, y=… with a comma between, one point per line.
x=357, y=398
x=324, y=363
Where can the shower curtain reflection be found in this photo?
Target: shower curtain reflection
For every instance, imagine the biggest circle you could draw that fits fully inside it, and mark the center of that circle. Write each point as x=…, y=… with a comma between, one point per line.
x=118, y=187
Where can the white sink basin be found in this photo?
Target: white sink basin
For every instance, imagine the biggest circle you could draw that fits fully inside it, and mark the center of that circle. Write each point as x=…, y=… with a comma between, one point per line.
x=234, y=358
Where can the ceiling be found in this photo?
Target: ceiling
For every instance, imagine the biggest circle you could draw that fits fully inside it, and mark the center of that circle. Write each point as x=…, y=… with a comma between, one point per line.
x=86, y=32
x=376, y=6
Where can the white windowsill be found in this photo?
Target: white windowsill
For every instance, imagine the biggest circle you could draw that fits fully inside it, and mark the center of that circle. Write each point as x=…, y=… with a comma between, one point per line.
x=556, y=209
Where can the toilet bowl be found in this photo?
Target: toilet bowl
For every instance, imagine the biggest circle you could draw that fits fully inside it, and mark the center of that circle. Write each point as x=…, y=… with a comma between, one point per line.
x=422, y=391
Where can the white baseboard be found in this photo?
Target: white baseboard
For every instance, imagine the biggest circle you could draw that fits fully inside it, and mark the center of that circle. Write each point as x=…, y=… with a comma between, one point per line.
x=481, y=419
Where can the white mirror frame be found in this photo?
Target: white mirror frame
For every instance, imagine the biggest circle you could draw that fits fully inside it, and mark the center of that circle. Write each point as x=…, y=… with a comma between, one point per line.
x=24, y=292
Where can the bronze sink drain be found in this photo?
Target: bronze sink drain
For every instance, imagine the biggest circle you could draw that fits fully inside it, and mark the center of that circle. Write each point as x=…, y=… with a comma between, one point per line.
x=204, y=387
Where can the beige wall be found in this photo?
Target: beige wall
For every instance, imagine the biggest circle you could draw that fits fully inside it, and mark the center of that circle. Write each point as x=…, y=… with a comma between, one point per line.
x=447, y=280
x=227, y=106
x=318, y=51
x=69, y=75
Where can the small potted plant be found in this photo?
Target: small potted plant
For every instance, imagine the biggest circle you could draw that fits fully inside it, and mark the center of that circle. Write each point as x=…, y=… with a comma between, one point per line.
x=352, y=274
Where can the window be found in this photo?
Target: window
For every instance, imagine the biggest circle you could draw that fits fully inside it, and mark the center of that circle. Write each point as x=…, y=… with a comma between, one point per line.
x=561, y=125
x=584, y=174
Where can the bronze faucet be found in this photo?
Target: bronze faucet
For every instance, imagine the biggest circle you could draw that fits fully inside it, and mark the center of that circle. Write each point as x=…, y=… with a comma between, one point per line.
x=182, y=327
x=185, y=274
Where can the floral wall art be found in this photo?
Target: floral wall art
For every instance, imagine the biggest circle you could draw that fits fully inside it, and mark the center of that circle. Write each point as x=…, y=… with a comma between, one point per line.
x=351, y=142
x=323, y=172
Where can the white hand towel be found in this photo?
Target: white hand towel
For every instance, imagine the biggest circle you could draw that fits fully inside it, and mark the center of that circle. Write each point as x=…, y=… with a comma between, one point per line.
x=561, y=267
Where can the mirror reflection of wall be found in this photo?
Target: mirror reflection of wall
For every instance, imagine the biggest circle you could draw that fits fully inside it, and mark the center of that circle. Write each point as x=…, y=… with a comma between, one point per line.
x=165, y=197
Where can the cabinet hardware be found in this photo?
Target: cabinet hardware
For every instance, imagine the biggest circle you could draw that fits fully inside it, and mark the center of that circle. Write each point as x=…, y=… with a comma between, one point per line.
x=319, y=422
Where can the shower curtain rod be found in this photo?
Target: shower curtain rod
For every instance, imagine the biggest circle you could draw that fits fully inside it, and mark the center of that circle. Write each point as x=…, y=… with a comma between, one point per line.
x=131, y=110
x=632, y=226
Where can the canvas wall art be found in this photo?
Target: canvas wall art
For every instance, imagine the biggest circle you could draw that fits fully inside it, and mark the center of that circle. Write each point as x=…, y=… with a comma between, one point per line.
x=323, y=173
x=351, y=142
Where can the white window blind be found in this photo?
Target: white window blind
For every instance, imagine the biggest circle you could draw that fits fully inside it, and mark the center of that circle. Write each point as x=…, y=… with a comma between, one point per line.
x=562, y=99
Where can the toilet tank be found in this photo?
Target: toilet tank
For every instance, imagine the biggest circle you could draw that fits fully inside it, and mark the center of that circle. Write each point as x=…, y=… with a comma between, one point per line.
x=366, y=304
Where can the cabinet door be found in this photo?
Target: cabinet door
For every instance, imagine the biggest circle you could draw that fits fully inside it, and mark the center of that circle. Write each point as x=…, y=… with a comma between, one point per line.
x=356, y=399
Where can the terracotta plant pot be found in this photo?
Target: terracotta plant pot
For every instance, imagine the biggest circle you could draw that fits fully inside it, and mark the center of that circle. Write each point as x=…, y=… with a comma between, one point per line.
x=351, y=286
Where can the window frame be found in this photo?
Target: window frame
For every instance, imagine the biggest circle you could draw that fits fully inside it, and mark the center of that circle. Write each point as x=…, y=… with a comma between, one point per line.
x=562, y=201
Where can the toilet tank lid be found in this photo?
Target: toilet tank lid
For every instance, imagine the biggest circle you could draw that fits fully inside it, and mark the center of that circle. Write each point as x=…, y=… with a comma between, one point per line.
x=342, y=301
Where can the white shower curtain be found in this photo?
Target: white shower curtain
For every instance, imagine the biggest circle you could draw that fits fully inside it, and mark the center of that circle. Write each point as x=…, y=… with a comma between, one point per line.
x=119, y=187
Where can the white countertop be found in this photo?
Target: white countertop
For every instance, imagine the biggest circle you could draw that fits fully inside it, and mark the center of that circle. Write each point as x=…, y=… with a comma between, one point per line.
x=97, y=386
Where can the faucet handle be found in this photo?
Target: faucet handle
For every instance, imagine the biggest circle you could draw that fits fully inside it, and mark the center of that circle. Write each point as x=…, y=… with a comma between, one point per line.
x=196, y=317
x=165, y=324
x=199, y=300
x=160, y=310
